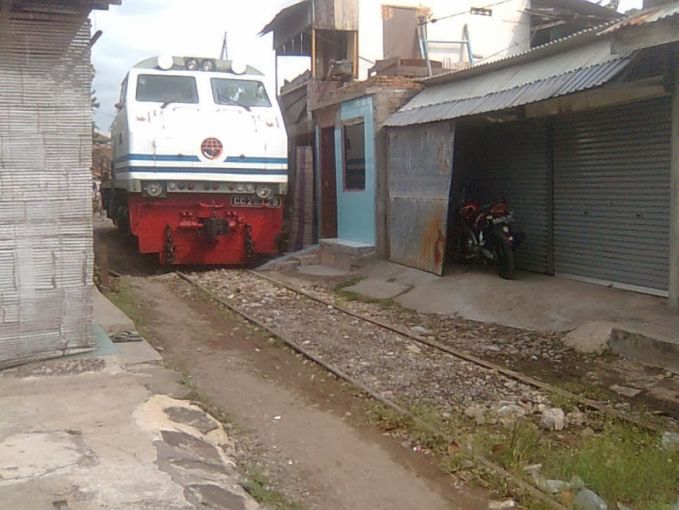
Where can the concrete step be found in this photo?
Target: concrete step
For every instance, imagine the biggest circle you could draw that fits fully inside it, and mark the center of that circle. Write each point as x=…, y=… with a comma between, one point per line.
x=307, y=256
x=345, y=254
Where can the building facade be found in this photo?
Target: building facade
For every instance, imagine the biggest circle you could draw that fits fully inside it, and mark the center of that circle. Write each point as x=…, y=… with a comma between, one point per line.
x=576, y=134
x=351, y=41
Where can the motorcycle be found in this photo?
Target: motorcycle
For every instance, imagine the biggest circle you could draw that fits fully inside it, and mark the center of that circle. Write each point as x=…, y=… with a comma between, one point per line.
x=485, y=232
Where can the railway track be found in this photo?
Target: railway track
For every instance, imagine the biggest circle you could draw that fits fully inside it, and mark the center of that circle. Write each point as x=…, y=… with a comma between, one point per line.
x=368, y=389
x=283, y=310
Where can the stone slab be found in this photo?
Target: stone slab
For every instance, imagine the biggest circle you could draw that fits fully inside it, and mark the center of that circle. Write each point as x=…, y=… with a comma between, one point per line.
x=94, y=440
x=378, y=289
x=134, y=353
x=591, y=338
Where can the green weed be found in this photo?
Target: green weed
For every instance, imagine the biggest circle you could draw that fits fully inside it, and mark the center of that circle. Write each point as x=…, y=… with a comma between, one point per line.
x=388, y=419
x=623, y=463
x=518, y=446
x=259, y=487
x=126, y=299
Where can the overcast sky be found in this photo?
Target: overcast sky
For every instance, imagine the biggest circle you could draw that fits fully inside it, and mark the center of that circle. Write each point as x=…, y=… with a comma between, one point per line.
x=142, y=28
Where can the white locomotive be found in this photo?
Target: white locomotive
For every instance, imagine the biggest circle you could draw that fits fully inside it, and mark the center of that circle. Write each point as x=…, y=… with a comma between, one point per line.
x=199, y=170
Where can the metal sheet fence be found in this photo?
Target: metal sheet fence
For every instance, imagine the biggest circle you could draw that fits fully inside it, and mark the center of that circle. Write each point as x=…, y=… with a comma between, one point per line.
x=420, y=165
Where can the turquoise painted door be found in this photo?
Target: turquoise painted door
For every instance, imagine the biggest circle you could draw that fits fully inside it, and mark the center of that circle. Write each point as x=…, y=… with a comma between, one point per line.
x=355, y=164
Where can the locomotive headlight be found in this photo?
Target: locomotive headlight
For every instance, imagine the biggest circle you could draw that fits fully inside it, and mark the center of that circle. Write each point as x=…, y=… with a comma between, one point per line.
x=165, y=62
x=240, y=188
x=154, y=189
x=238, y=67
x=191, y=64
x=208, y=66
x=171, y=186
x=250, y=188
x=264, y=192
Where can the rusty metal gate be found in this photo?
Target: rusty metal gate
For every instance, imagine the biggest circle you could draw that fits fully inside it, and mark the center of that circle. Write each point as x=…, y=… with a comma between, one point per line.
x=420, y=162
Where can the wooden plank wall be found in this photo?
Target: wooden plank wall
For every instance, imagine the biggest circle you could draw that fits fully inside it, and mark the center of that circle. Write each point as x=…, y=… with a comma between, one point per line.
x=302, y=217
x=45, y=188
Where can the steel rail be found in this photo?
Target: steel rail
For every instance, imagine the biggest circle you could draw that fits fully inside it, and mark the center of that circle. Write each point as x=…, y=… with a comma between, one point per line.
x=507, y=372
x=474, y=456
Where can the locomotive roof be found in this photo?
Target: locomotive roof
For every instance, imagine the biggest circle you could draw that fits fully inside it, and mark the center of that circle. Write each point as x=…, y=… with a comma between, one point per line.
x=221, y=65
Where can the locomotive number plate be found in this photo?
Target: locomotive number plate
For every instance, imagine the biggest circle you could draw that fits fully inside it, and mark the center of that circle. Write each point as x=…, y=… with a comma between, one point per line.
x=254, y=201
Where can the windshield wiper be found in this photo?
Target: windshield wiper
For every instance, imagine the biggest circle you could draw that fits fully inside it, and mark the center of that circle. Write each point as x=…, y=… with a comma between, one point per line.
x=170, y=101
x=233, y=102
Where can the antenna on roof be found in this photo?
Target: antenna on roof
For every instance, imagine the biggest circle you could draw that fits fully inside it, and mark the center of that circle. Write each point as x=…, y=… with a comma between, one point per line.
x=224, y=55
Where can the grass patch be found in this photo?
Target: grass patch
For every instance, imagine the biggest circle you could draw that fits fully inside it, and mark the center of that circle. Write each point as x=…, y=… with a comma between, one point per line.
x=388, y=419
x=259, y=487
x=125, y=298
x=590, y=391
x=564, y=402
x=349, y=295
x=430, y=430
x=623, y=463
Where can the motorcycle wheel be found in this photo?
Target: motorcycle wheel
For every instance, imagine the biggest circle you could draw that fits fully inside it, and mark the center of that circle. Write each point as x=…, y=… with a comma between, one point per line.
x=504, y=257
x=461, y=248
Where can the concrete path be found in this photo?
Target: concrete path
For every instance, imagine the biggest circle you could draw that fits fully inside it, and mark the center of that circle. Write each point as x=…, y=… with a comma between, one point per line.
x=636, y=325
x=106, y=431
x=108, y=316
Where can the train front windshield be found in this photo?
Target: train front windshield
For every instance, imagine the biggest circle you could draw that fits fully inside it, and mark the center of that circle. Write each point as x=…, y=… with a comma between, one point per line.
x=248, y=93
x=159, y=89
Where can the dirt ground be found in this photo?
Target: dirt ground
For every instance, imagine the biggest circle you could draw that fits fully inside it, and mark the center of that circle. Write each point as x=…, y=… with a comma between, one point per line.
x=308, y=432
x=305, y=429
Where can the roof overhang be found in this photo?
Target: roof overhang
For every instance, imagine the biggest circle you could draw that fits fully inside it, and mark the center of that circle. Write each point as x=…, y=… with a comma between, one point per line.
x=582, y=8
x=290, y=23
x=577, y=63
x=54, y=6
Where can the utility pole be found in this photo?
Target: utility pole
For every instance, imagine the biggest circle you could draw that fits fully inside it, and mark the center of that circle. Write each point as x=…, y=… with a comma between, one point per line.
x=225, y=47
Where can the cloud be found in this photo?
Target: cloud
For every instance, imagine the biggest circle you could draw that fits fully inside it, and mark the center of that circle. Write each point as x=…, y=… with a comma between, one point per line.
x=144, y=28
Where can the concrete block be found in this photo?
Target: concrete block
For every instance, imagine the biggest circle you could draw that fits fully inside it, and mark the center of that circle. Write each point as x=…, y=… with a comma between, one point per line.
x=655, y=352
x=345, y=254
x=592, y=337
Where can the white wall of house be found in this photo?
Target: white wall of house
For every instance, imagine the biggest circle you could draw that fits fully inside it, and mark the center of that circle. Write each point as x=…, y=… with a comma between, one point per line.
x=504, y=33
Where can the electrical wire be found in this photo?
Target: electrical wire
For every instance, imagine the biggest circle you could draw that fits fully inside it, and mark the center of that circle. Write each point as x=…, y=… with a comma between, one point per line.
x=461, y=13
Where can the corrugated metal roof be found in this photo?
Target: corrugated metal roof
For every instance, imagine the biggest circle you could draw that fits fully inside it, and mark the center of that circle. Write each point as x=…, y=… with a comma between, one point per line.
x=571, y=71
x=542, y=51
x=646, y=16
x=291, y=11
x=559, y=45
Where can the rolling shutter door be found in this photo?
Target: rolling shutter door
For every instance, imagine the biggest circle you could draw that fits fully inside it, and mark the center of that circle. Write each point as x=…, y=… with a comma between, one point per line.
x=515, y=165
x=612, y=194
